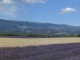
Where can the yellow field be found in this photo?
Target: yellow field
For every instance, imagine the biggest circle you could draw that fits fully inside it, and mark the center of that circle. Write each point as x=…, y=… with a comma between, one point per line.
x=20, y=42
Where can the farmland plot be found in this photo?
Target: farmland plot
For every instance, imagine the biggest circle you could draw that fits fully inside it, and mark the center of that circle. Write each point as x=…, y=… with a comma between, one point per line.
x=20, y=42
x=70, y=51
x=39, y=48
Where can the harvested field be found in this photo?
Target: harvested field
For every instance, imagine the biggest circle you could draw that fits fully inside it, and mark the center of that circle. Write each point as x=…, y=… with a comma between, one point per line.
x=20, y=42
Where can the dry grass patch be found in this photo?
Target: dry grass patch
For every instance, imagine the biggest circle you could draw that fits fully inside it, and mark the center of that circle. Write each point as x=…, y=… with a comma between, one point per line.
x=20, y=42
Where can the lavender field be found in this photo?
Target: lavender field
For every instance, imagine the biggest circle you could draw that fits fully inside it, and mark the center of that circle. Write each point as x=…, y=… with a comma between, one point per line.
x=39, y=48
x=69, y=51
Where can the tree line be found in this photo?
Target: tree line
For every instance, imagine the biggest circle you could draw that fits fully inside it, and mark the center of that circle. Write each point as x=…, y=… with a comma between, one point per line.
x=36, y=35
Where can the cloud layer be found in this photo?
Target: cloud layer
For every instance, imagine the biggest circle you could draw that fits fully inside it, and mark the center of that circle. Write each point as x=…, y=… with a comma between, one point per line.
x=68, y=10
x=10, y=7
x=7, y=2
x=35, y=1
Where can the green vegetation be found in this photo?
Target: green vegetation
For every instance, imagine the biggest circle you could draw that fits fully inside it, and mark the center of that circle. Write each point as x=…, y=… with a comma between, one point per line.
x=35, y=35
x=78, y=35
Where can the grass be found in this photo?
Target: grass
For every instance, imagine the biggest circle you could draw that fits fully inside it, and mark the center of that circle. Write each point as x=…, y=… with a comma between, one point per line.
x=20, y=42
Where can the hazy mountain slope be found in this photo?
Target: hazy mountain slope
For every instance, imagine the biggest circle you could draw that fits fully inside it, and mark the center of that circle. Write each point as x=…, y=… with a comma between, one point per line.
x=34, y=27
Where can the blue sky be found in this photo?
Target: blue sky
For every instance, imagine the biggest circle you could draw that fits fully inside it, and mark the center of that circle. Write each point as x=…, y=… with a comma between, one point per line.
x=45, y=11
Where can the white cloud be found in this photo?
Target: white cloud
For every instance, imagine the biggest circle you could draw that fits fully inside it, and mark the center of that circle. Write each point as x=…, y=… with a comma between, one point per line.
x=11, y=11
x=7, y=2
x=34, y=1
x=8, y=11
x=68, y=10
x=8, y=8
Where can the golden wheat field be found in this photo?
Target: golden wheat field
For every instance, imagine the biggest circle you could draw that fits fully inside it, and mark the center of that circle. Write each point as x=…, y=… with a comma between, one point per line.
x=20, y=42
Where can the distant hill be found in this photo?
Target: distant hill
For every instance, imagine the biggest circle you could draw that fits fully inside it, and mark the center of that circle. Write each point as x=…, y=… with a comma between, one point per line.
x=35, y=27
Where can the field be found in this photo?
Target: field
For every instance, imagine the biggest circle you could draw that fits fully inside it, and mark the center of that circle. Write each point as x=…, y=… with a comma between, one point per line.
x=20, y=42
x=39, y=48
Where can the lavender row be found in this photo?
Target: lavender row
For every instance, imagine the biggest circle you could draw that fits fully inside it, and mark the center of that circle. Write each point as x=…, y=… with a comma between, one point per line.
x=44, y=52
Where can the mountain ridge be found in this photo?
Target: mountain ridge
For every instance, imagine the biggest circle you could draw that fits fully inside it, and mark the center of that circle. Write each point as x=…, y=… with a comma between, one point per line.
x=36, y=27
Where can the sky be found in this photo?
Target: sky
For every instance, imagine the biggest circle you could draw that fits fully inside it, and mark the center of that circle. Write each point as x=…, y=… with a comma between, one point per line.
x=43, y=11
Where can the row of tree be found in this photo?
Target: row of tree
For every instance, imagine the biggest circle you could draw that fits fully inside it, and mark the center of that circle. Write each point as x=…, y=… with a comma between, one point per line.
x=78, y=35
x=36, y=35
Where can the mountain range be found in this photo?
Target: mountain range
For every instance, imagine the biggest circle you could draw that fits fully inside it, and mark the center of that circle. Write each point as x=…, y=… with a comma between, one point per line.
x=13, y=26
